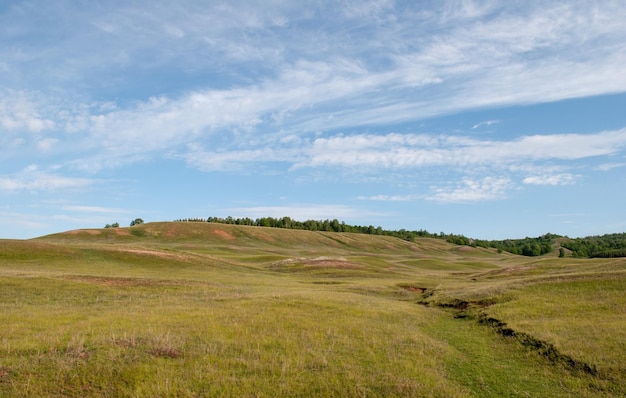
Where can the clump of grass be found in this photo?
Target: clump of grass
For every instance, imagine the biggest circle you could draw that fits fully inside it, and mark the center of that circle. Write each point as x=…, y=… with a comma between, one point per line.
x=165, y=345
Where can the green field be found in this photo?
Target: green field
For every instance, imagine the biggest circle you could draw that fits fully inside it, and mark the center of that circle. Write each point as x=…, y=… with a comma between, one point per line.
x=202, y=309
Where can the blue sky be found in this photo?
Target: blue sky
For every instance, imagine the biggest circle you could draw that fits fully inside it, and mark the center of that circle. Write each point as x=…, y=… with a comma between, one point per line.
x=490, y=119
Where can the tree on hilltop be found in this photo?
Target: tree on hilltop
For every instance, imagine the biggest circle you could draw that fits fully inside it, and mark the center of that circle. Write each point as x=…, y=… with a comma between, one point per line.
x=136, y=221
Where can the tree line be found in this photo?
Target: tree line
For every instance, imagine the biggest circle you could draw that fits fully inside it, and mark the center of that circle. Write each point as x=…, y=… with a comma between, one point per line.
x=333, y=225
x=136, y=221
x=525, y=247
x=607, y=246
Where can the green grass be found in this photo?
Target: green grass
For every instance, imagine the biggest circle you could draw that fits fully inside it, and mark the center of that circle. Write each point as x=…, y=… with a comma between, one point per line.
x=188, y=310
x=491, y=366
x=584, y=319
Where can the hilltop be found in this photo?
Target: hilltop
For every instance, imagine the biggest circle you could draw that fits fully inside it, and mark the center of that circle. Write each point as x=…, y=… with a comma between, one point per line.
x=260, y=247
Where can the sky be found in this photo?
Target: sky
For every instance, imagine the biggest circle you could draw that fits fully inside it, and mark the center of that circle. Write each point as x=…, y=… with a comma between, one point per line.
x=491, y=119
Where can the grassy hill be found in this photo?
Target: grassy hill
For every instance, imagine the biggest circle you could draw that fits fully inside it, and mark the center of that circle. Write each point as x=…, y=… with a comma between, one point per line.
x=202, y=309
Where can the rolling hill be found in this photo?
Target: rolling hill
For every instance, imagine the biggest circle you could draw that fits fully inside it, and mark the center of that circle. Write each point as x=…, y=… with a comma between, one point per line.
x=204, y=309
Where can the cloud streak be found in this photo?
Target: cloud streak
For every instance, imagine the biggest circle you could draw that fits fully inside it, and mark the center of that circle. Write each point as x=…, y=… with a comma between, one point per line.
x=420, y=150
x=469, y=190
x=32, y=179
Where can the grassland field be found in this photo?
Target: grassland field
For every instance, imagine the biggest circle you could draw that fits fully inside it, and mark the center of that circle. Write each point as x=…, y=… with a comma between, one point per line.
x=216, y=310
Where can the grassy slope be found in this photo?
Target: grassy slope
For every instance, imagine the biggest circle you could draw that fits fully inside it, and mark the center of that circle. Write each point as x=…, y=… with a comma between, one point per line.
x=186, y=309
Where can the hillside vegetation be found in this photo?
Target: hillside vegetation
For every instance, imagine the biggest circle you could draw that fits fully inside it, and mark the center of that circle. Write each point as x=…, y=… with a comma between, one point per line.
x=607, y=246
x=206, y=309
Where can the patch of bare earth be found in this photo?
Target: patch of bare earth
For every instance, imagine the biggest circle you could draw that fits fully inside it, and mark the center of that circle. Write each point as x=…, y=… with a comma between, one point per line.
x=417, y=289
x=122, y=232
x=317, y=262
x=170, y=232
x=84, y=231
x=223, y=234
x=266, y=238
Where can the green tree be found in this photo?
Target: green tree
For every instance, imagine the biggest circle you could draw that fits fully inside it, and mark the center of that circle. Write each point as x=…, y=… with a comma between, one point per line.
x=136, y=221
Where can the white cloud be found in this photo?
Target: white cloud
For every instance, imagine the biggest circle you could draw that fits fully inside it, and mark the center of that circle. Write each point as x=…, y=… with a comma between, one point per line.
x=32, y=179
x=555, y=179
x=94, y=209
x=236, y=159
x=389, y=198
x=19, y=111
x=485, y=123
x=410, y=150
x=609, y=166
x=488, y=188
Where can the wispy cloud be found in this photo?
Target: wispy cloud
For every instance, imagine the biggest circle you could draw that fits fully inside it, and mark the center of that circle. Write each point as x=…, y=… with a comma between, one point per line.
x=536, y=159
x=19, y=112
x=556, y=179
x=409, y=150
x=485, y=123
x=609, y=166
x=389, y=198
x=32, y=179
x=95, y=209
x=488, y=188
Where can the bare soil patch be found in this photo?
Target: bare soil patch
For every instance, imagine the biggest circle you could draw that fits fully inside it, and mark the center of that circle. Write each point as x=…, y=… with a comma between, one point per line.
x=84, y=231
x=122, y=231
x=317, y=262
x=118, y=282
x=266, y=238
x=223, y=234
x=414, y=289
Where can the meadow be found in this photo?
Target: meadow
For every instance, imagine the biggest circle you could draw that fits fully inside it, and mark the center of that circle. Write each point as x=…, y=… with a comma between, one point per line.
x=203, y=309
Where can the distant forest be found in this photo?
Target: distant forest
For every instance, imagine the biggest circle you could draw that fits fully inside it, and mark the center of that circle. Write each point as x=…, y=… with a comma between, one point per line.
x=607, y=246
x=610, y=245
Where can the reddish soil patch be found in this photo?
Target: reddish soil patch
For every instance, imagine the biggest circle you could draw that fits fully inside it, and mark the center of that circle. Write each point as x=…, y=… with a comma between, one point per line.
x=165, y=352
x=170, y=232
x=84, y=231
x=223, y=234
x=266, y=238
x=415, y=289
x=122, y=231
x=331, y=264
x=318, y=262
